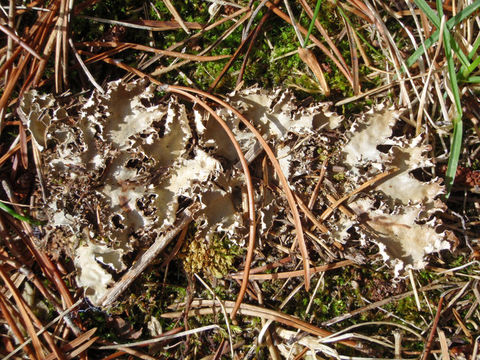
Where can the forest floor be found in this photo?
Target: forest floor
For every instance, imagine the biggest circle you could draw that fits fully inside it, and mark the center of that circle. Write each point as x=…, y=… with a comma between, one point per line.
x=339, y=217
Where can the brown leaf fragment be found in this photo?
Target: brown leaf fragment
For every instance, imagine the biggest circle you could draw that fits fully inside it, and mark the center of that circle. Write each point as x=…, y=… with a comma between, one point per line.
x=310, y=59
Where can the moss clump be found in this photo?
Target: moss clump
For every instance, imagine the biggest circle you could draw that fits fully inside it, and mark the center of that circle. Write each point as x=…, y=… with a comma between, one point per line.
x=214, y=258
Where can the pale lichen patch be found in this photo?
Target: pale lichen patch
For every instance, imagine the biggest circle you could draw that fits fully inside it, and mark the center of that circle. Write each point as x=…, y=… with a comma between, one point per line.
x=120, y=169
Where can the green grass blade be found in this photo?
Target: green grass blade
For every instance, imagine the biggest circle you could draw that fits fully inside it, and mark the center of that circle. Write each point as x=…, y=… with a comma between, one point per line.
x=433, y=17
x=456, y=144
x=427, y=10
x=472, y=80
x=312, y=23
x=471, y=68
x=475, y=46
x=455, y=150
x=452, y=22
x=11, y=212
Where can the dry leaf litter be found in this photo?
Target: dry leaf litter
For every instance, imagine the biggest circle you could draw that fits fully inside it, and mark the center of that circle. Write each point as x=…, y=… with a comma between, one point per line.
x=121, y=166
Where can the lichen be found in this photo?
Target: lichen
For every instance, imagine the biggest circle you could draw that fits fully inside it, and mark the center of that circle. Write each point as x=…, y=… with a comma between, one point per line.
x=119, y=170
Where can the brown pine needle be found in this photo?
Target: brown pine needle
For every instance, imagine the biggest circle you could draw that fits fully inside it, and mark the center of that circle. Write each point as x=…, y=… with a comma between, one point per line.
x=365, y=185
x=289, y=274
x=11, y=35
x=115, y=44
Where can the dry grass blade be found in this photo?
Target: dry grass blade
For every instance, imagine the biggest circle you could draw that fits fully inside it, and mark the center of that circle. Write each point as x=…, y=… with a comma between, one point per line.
x=176, y=15
x=11, y=24
x=426, y=85
x=230, y=62
x=256, y=32
x=428, y=346
x=160, y=338
x=45, y=263
x=12, y=151
x=227, y=322
x=26, y=311
x=203, y=307
x=325, y=35
x=13, y=78
x=464, y=328
x=149, y=25
x=62, y=315
x=135, y=353
x=216, y=43
x=48, y=47
x=23, y=269
x=11, y=35
x=270, y=266
x=310, y=215
x=354, y=57
x=23, y=145
x=60, y=26
x=78, y=345
x=197, y=35
x=443, y=344
x=38, y=43
x=177, y=247
x=289, y=274
x=84, y=67
x=293, y=22
x=380, y=303
x=115, y=44
x=144, y=260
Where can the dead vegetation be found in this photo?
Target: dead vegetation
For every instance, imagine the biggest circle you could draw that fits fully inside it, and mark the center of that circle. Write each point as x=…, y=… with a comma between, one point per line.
x=210, y=217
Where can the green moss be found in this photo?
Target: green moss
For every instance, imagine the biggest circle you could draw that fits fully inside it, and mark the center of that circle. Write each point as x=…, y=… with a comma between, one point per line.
x=213, y=258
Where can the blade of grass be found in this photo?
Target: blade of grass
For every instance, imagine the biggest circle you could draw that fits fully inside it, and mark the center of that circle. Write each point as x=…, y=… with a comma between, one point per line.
x=470, y=68
x=455, y=20
x=456, y=145
x=475, y=46
x=436, y=21
x=27, y=219
x=473, y=80
x=312, y=23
